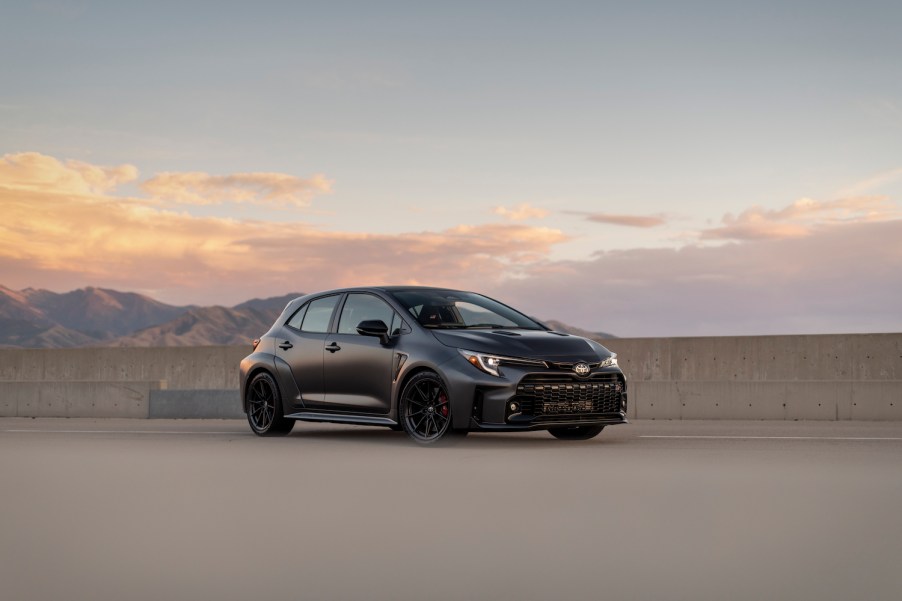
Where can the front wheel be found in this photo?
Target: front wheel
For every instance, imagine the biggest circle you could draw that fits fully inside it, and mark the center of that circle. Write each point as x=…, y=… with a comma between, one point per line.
x=425, y=410
x=264, y=407
x=576, y=432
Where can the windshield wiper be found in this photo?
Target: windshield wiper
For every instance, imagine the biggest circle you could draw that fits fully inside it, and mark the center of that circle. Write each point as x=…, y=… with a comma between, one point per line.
x=444, y=326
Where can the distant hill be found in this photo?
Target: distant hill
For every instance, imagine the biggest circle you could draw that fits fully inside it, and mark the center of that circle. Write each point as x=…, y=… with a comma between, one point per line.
x=40, y=318
x=101, y=313
x=204, y=326
x=274, y=304
x=100, y=317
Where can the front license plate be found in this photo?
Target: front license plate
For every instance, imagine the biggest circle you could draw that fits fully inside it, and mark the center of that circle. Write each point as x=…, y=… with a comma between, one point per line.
x=567, y=407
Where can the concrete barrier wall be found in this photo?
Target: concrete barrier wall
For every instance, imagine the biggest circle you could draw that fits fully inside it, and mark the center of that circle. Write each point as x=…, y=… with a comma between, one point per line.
x=190, y=382
x=188, y=368
x=77, y=399
x=187, y=404
x=830, y=377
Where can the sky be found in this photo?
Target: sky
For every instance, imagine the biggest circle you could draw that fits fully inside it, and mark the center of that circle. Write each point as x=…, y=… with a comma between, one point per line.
x=644, y=169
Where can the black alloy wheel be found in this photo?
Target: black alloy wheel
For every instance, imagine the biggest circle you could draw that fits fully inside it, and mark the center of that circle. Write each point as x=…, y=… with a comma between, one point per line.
x=576, y=432
x=425, y=410
x=264, y=407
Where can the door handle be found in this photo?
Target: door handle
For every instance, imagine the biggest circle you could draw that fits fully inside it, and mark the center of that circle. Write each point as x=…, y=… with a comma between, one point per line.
x=285, y=345
x=333, y=347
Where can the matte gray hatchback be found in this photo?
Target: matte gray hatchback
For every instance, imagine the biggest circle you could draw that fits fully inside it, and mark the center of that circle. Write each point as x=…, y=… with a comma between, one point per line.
x=435, y=363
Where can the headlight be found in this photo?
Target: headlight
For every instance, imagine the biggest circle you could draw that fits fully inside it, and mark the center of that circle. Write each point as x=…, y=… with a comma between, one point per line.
x=490, y=363
x=612, y=360
x=487, y=363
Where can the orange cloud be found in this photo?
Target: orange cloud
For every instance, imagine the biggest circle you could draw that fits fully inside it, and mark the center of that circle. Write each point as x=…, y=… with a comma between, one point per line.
x=72, y=234
x=626, y=220
x=521, y=212
x=833, y=267
x=200, y=188
x=37, y=172
x=801, y=218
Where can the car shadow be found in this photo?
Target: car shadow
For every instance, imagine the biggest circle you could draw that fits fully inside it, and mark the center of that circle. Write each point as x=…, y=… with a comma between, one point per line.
x=364, y=435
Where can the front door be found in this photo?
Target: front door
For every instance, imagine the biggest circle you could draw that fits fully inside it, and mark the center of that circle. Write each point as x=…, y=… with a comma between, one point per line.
x=357, y=370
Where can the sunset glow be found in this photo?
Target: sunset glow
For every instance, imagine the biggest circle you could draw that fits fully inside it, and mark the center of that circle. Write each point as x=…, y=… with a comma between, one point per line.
x=673, y=173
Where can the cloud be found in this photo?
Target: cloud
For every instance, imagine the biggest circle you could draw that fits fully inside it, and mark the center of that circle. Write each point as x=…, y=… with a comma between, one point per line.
x=521, y=212
x=38, y=172
x=841, y=278
x=63, y=228
x=801, y=218
x=199, y=188
x=643, y=221
x=53, y=236
x=876, y=181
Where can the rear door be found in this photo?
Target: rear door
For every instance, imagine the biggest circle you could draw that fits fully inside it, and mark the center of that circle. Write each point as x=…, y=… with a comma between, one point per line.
x=302, y=347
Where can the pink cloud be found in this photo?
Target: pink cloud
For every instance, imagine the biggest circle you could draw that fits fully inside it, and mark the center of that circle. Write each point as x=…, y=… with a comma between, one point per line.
x=801, y=218
x=841, y=278
x=837, y=271
x=643, y=221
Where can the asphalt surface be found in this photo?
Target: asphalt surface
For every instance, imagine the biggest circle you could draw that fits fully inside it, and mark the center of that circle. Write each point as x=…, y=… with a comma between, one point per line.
x=154, y=509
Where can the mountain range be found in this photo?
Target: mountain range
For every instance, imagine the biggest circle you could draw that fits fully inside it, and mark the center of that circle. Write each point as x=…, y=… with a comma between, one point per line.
x=100, y=317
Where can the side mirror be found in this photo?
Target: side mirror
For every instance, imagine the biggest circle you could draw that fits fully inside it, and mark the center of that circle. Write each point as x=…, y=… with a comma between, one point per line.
x=374, y=327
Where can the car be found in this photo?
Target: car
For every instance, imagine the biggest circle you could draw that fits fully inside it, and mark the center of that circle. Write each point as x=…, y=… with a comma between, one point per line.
x=433, y=362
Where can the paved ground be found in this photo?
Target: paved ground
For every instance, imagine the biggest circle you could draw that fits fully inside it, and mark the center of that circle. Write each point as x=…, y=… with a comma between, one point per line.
x=134, y=510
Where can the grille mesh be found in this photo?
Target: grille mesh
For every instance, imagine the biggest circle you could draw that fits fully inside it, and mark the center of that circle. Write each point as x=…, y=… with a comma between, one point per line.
x=562, y=395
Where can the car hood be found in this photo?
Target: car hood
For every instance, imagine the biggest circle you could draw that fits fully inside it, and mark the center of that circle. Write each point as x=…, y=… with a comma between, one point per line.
x=530, y=344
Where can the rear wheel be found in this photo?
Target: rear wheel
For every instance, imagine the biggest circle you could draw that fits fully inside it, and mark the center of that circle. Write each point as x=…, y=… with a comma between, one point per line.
x=576, y=432
x=425, y=410
x=264, y=407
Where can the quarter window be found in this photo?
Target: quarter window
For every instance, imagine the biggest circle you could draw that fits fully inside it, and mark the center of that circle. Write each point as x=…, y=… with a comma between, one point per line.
x=297, y=318
x=319, y=313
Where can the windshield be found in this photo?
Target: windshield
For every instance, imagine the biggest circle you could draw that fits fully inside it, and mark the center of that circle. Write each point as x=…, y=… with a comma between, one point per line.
x=452, y=309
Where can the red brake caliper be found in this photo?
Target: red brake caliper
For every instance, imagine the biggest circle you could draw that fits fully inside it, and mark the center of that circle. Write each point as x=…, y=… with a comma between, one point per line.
x=443, y=401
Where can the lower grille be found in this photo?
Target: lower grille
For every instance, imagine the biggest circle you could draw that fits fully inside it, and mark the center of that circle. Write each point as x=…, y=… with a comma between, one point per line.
x=564, y=396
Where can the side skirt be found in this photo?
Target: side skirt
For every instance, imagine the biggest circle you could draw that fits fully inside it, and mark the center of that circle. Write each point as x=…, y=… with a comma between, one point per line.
x=343, y=418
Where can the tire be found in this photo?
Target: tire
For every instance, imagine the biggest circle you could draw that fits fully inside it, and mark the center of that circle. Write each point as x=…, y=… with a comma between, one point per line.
x=576, y=432
x=264, y=407
x=424, y=410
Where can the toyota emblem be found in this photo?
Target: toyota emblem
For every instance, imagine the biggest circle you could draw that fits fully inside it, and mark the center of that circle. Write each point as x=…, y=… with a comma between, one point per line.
x=581, y=369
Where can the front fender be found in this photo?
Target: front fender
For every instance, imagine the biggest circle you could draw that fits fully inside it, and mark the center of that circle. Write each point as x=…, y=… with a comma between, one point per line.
x=461, y=379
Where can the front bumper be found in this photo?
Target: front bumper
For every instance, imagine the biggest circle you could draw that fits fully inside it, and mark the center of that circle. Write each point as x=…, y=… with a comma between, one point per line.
x=526, y=399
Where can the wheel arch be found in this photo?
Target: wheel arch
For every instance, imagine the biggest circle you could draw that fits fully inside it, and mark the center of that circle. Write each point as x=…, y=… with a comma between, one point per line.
x=253, y=373
x=459, y=405
x=410, y=374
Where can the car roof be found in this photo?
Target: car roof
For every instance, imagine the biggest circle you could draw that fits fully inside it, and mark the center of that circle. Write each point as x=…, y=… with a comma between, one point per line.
x=379, y=289
x=303, y=298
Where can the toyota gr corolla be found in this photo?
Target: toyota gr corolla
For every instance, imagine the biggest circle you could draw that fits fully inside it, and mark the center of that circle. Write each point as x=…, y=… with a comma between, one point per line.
x=435, y=363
